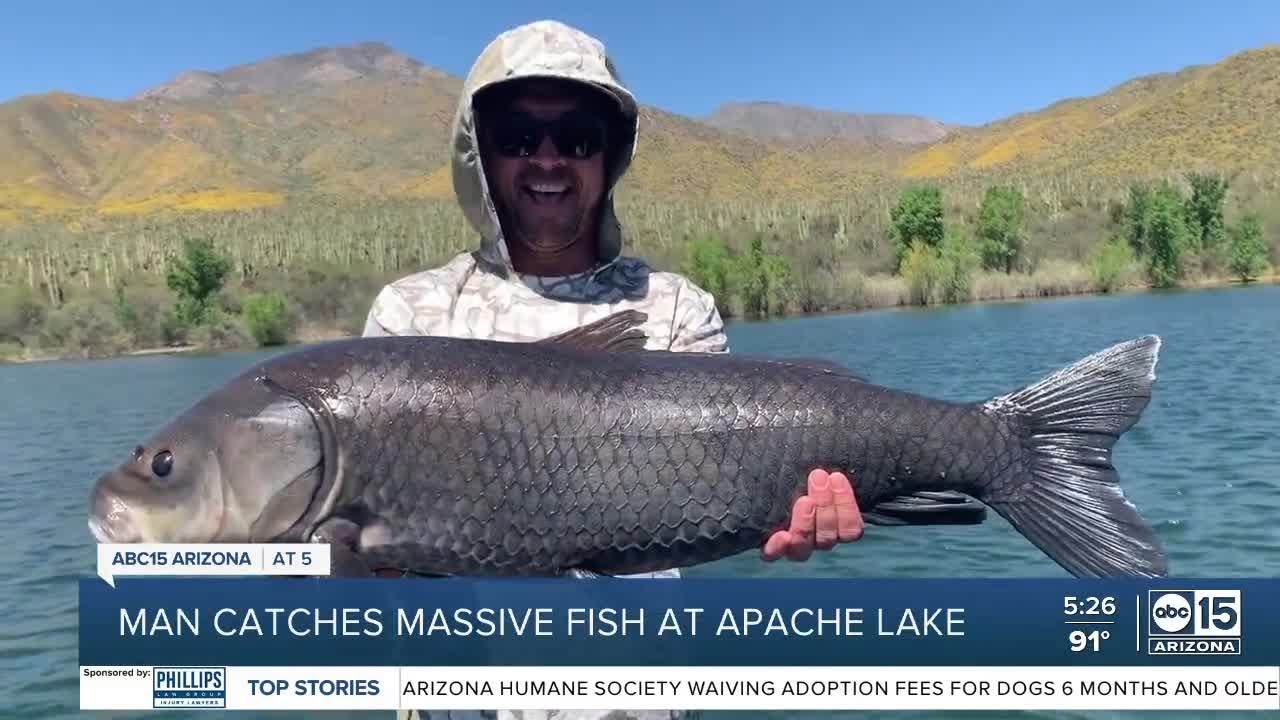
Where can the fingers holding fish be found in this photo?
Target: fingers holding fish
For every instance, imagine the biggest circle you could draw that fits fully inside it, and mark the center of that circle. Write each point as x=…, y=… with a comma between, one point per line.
x=849, y=522
x=827, y=515
x=792, y=543
x=825, y=529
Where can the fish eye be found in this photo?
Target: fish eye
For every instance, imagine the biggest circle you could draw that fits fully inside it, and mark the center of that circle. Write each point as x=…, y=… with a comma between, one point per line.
x=162, y=463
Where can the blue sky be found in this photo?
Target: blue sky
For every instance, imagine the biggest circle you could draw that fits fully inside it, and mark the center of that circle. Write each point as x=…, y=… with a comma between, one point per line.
x=965, y=62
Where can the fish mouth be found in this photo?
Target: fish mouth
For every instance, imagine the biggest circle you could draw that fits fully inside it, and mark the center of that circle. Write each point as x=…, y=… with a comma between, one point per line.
x=109, y=520
x=98, y=531
x=111, y=534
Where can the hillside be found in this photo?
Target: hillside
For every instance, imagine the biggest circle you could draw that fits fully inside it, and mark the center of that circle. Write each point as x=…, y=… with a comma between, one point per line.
x=355, y=120
x=1220, y=116
x=770, y=120
x=312, y=71
x=367, y=121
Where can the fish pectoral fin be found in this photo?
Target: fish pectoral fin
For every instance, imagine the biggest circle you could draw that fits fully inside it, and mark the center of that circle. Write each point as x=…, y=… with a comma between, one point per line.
x=584, y=574
x=399, y=573
x=928, y=508
x=344, y=562
x=619, y=332
x=286, y=508
x=341, y=535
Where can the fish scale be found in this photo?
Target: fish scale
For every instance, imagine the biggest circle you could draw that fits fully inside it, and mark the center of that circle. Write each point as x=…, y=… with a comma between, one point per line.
x=760, y=455
x=582, y=453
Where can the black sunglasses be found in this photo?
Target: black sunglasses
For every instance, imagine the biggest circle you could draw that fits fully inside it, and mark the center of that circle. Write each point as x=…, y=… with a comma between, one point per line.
x=575, y=134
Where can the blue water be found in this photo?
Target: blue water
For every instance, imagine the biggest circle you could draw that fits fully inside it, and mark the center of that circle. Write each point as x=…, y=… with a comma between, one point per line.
x=1203, y=465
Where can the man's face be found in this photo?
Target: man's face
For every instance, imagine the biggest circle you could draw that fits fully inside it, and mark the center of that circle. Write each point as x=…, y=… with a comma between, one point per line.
x=544, y=156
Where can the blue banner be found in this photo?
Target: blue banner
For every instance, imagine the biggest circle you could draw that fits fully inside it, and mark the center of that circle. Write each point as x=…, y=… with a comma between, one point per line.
x=814, y=622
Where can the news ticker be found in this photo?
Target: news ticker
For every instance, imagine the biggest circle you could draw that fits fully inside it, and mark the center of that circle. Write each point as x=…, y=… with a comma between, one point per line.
x=683, y=688
x=1033, y=642
x=676, y=622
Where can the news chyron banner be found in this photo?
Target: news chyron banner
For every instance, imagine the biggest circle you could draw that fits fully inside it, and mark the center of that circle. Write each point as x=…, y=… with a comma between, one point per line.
x=272, y=629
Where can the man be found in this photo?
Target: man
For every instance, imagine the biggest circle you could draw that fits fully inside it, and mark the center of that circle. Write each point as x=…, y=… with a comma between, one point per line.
x=544, y=130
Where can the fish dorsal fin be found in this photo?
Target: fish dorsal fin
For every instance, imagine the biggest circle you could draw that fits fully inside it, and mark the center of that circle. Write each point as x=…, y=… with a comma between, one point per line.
x=619, y=332
x=828, y=366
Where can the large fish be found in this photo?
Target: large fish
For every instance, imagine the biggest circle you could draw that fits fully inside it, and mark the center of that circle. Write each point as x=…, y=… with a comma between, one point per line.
x=581, y=454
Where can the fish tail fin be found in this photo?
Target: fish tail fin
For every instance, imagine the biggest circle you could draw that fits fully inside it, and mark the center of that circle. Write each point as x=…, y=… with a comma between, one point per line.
x=1067, y=499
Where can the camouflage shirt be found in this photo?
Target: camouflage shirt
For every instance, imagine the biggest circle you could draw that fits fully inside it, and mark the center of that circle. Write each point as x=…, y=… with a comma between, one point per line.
x=461, y=299
x=480, y=295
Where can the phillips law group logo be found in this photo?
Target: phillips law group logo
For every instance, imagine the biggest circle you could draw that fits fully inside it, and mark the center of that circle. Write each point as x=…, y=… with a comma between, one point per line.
x=189, y=687
x=1193, y=622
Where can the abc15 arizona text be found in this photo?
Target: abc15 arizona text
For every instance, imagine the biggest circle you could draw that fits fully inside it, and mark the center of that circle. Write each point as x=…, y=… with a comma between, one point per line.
x=1193, y=622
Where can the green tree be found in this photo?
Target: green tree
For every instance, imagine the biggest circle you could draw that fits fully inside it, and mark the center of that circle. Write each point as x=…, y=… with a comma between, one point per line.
x=126, y=313
x=1000, y=228
x=959, y=260
x=1136, y=216
x=196, y=277
x=1248, y=249
x=268, y=319
x=943, y=274
x=1110, y=264
x=917, y=218
x=923, y=271
x=1204, y=210
x=21, y=313
x=1166, y=237
x=764, y=280
x=710, y=266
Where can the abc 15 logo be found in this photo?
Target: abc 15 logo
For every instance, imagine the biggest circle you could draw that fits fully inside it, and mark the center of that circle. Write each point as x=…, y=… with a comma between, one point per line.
x=1194, y=613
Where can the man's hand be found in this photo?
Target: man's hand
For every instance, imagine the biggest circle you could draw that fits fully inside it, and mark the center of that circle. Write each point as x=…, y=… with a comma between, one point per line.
x=826, y=515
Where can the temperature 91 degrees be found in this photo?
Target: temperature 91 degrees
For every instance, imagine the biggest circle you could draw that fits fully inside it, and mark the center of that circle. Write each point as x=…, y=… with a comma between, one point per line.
x=1090, y=640
x=1085, y=611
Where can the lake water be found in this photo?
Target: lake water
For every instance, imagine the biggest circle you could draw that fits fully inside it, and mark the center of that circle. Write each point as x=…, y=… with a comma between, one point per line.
x=1203, y=465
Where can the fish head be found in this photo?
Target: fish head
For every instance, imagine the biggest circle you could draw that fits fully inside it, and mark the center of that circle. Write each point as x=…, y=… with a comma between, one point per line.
x=241, y=463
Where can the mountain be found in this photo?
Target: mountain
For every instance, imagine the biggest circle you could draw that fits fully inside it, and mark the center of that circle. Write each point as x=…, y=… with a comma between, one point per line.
x=314, y=70
x=364, y=120
x=770, y=120
x=339, y=121
x=1220, y=116
x=346, y=120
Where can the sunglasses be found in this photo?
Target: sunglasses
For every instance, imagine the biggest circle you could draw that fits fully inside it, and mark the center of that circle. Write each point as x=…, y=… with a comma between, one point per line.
x=575, y=134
